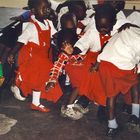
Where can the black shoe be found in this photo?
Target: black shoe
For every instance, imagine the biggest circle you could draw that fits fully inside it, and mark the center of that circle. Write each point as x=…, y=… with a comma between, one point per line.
x=101, y=114
x=133, y=119
x=133, y=123
x=111, y=132
x=127, y=109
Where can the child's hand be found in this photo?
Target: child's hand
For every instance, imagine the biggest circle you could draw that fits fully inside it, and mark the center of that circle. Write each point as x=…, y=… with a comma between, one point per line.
x=10, y=59
x=49, y=86
x=94, y=67
x=67, y=48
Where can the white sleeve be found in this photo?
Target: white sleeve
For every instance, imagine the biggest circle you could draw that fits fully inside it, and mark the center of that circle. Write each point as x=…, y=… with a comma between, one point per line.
x=53, y=30
x=27, y=34
x=85, y=42
x=134, y=18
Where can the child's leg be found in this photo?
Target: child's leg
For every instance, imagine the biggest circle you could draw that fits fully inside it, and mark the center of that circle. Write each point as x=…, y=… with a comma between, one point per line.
x=69, y=110
x=15, y=89
x=134, y=117
x=36, y=102
x=112, y=124
x=73, y=96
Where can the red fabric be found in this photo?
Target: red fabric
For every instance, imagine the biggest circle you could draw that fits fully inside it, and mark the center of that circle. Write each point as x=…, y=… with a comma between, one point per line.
x=101, y=1
x=76, y=74
x=34, y=67
x=60, y=64
x=104, y=39
x=91, y=85
x=115, y=80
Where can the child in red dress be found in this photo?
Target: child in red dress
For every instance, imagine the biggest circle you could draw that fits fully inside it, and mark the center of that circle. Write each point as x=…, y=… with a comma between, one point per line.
x=34, y=64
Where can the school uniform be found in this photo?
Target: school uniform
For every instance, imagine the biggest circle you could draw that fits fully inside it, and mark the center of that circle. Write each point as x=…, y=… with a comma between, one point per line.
x=34, y=63
x=134, y=18
x=90, y=85
x=91, y=44
x=68, y=63
x=118, y=62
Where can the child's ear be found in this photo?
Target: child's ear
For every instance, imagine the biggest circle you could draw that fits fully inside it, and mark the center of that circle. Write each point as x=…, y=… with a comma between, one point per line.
x=33, y=10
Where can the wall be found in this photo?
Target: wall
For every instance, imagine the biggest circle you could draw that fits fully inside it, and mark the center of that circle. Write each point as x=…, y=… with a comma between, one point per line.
x=23, y=3
x=13, y=3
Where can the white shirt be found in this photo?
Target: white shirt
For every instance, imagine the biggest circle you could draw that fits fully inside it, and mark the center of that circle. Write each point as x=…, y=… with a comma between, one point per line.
x=89, y=41
x=121, y=20
x=30, y=33
x=123, y=49
x=134, y=18
x=85, y=21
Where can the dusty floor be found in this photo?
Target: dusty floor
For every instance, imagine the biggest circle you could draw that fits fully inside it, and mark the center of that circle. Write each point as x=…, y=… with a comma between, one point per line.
x=32, y=125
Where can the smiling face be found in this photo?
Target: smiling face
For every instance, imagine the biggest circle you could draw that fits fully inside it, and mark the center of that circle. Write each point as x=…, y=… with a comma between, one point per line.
x=42, y=10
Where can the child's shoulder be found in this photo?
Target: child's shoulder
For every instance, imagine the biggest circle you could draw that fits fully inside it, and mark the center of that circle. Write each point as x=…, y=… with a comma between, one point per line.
x=28, y=26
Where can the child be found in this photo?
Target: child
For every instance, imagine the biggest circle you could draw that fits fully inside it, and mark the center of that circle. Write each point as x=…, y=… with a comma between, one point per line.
x=68, y=33
x=117, y=71
x=25, y=17
x=70, y=37
x=33, y=61
x=92, y=43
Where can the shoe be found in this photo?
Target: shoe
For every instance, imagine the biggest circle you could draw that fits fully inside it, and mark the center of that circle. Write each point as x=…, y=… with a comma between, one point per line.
x=17, y=94
x=133, y=123
x=127, y=109
x=73, y=114
x=111, y=132
x=63, y=110
x=101, y=114
x=81, y=109
x=40, y=108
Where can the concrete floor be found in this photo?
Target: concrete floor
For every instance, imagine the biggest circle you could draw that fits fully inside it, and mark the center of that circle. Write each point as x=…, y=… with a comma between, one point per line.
x=51, y=126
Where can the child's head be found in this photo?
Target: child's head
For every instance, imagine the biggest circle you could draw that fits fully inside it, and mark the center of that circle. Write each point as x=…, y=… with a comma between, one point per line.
x=40, y=8
x=66, y=37
x=78, y=8
x=105, y=18
x=118, y=5
x=68, y=21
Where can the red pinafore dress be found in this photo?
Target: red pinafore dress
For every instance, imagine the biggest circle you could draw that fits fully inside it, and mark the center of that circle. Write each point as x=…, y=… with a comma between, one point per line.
x=34, y=67
x=91, y=87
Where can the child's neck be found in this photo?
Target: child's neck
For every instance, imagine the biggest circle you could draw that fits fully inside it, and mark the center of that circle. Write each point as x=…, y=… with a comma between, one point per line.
x=41, y=20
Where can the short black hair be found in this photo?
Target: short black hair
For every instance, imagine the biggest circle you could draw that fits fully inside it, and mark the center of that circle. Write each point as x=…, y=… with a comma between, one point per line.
x=73, y=3
x=34, y=3
x=105, y=11
x=117, y=4
x=65, y=17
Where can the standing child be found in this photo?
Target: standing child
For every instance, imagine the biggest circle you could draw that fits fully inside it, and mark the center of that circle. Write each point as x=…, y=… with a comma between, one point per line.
x=34, y=64
x=117, y=71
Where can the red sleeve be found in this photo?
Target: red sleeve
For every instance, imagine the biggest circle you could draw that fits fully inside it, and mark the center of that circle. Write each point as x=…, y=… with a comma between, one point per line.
x=57, y=67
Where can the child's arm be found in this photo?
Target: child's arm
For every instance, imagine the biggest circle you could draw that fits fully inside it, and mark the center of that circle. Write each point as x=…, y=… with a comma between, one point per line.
x=24, y=17
x=127, y=26
x=61, y=5
x=56, y=70
x=68, y=49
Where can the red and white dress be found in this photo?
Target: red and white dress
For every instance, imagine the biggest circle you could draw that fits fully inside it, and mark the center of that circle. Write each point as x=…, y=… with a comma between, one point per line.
x=34, y=63
x=118, y=62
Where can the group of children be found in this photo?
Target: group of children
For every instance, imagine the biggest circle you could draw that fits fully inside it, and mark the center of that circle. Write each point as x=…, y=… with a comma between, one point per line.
x=100, y=61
